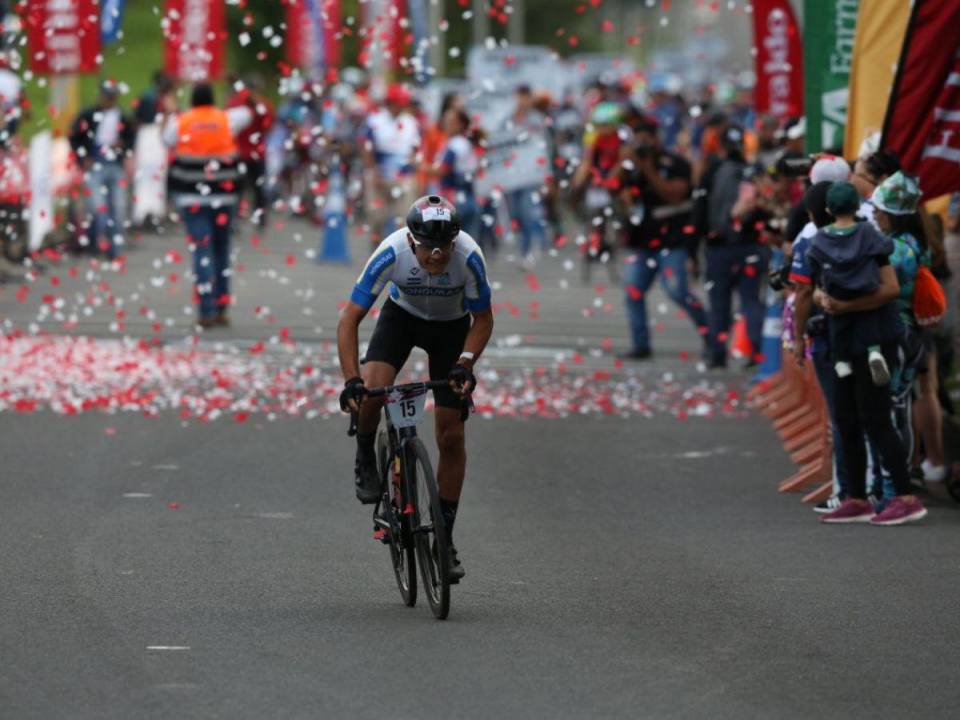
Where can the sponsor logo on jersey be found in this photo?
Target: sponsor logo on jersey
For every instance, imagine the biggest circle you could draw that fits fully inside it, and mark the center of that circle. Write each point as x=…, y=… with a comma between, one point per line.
x=432, y=291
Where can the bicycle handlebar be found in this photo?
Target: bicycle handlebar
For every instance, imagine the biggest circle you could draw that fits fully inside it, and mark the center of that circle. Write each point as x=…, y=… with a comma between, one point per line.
x=406, y=387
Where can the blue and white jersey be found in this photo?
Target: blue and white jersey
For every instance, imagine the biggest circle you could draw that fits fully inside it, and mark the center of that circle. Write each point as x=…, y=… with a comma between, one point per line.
x=459, y=165
x=462, y=287
x=394, y=142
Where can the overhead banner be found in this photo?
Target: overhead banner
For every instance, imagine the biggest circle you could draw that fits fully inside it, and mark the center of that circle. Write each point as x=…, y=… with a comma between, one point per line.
x=779, y=59
x=827, y=56
x=923, y=120
x=313, y=34
x=64, y=36
x=111, y=19
x=881, y=25
x=196, y=33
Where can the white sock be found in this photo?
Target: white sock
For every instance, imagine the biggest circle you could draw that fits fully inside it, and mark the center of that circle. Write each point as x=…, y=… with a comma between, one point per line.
x=843, y=369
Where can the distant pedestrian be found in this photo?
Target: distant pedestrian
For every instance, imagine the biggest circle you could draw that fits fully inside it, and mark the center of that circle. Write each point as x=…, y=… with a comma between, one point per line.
x=205, y=180
x=252, y=142
x=102, y=138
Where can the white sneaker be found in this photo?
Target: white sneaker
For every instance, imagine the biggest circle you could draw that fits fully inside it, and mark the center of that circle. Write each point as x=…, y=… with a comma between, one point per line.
x=933, y=473
x=878, y=368
x=828, y=505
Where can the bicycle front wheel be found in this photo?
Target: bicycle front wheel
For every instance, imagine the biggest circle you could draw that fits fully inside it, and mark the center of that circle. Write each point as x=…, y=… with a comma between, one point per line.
x=429, y=530
x=401, y=542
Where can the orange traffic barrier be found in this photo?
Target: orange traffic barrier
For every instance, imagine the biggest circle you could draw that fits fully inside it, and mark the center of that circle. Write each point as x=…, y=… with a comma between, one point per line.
x=792, y=399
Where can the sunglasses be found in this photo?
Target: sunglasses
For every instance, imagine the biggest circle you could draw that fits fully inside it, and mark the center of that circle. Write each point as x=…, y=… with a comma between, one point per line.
x=434, y=251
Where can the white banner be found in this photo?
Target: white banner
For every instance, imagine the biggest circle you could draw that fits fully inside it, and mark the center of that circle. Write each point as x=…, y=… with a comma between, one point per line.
x=513, y=163
x=150, y=178
x=41, y=189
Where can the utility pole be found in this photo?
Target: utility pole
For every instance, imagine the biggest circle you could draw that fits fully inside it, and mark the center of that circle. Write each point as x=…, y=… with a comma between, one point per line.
x=481, y=22
x=517, y=24
x=438, y=39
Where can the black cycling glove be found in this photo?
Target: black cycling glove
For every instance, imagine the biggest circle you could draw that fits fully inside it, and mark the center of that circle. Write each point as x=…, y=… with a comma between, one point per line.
x=353, y=389
x=461, y=375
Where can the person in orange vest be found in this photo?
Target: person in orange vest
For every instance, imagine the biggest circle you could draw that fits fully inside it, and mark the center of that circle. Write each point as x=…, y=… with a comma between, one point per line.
x=205, y=180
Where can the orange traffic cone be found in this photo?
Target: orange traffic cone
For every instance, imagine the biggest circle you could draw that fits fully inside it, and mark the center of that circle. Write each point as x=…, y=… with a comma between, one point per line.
x=741, y=347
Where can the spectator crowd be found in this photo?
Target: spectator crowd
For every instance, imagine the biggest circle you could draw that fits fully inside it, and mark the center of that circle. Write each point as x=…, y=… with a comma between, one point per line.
x=721, y=204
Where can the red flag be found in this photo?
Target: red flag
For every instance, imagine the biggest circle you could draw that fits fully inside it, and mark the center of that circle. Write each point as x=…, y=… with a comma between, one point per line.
x=923, y=117
x=305, y=40
x=779, y=59
x=196, y=32
x=64, y=37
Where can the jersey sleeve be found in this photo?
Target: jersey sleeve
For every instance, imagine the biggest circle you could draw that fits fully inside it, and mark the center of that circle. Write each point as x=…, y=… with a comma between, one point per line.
x=800, y=270
x=376, y=274
x=476, y=290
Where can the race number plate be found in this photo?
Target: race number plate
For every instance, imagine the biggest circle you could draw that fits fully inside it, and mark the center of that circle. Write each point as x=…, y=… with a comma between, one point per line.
x=406, y=409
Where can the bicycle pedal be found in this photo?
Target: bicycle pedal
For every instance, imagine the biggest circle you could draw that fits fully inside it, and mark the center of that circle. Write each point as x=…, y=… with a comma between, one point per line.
x=381, y=535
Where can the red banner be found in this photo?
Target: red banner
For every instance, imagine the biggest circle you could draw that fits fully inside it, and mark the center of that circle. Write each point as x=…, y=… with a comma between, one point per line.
x=923, y=117
x=779, y=59
x=195, y=32
x=313, y=33
x=64, y=36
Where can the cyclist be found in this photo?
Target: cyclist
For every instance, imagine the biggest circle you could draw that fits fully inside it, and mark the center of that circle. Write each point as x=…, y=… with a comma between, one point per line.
x=438, y=282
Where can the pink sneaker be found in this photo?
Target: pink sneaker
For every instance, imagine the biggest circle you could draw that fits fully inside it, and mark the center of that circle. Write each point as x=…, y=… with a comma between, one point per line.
x=899, y=511
x=851, y=510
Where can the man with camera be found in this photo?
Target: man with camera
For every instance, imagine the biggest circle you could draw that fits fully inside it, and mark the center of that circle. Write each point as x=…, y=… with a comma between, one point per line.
x=656, y=192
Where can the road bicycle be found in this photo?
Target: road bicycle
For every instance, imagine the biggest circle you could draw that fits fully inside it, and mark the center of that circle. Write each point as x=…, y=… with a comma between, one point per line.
x=407, y=517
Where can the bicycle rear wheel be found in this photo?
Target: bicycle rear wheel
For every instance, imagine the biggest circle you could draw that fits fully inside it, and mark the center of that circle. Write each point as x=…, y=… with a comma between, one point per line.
x=429, y=530
x=400, y=538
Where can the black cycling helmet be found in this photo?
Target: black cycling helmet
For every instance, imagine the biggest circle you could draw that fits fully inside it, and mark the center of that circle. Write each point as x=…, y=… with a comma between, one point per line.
x=433, y=221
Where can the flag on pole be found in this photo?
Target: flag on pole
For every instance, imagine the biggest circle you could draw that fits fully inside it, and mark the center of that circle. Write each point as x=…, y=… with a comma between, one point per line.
x=111, y=18
x=827, y=55
x=881, y=25
x=196, y=33
x=923, y=118
x=779, y=59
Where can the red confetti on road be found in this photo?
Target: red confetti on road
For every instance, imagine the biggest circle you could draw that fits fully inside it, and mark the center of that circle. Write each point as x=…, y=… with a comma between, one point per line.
x=73, y=375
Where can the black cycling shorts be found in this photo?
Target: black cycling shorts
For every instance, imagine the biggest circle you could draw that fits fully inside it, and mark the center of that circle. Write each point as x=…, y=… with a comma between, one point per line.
x=398, y=332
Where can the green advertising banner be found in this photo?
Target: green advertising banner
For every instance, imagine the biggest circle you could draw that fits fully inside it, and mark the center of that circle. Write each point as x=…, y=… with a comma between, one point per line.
x=829, y=29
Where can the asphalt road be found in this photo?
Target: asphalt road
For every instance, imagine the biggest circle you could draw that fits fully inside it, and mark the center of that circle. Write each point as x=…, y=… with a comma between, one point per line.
x=640, y=566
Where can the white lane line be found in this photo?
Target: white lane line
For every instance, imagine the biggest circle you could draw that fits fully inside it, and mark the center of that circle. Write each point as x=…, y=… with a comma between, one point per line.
x=165, y=467
x=138, y=495
x=168, y=647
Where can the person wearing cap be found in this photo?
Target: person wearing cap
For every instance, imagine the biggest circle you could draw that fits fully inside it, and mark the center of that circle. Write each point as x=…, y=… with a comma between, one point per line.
x=896, y=212
x=656, y=193
x=853, y=281
x=205, y=180
x=597, y=178
x=728, y=215
x=102, y=138
x=440, y=301
x=391, y=141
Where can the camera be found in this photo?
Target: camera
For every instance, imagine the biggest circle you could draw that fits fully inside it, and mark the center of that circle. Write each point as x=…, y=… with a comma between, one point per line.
x=795, y=166
x=777, y=278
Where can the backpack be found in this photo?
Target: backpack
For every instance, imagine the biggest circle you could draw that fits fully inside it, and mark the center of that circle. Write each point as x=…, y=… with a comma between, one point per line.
x=929, y=300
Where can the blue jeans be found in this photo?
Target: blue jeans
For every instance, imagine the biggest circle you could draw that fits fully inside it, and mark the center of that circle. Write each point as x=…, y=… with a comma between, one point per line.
x=743, y=267
x=470, y=217
x=104, y=203
x=639, y=274
x=211, y=255
x=526, y=207
x=826, y=375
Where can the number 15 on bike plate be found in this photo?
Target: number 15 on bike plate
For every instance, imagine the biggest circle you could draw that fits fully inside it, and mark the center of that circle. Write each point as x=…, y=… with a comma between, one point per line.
x=406, y=409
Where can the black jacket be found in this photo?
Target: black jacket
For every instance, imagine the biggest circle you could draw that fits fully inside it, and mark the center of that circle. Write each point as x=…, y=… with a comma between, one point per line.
x=83, y=134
